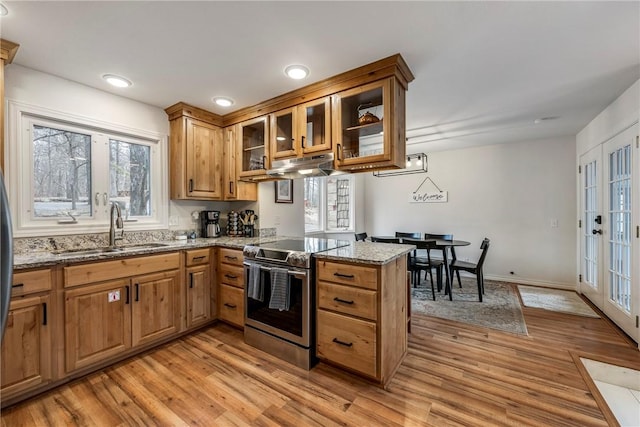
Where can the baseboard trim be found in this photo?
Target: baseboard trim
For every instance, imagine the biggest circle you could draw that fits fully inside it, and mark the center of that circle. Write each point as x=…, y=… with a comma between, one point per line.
x=533, y=282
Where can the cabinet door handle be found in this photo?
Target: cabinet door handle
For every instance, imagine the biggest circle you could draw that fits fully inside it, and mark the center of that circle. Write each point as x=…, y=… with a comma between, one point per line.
x=345, y=276
x=97, y=199
x=190, y=185
x=198, y=258
x=230, y=276
x=232, y=258
x=302, y=141
x=126, y=300
x=44, y=313
x=344, y=301
x=17, y=285
x=190, y=280
x=230, y=187
x=137, y=292
x=339, y=151
x=264, y=162
x=226, y=304
x=346, y=344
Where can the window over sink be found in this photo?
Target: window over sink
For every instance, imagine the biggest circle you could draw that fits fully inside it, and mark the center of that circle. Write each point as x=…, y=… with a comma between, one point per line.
x=68, y=170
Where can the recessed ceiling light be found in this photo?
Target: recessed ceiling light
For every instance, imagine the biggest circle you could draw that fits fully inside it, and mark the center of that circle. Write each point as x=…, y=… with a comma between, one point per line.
x=3, y=10
x=117, y=81
x=296, y=72
x=223, y=101
x=545, y=119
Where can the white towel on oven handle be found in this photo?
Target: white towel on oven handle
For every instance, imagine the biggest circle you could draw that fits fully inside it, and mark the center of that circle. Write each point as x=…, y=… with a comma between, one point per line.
x=280, y=289
x=255, y=288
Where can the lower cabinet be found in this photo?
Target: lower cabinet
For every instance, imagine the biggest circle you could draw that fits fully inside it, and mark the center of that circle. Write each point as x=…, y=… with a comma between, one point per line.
x=103, y=320
x=362, y=316
x=26, y=346
x=198, y=286
x=230, y=278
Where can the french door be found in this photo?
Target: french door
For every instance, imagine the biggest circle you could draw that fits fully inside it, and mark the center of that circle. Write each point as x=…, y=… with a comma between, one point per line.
x=610, y=234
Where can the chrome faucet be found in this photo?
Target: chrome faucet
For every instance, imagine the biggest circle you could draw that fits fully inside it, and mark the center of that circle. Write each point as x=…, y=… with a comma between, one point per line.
x=116, y=222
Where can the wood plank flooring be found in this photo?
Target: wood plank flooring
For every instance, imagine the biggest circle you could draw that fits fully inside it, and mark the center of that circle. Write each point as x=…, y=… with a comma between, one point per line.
x=454, y=374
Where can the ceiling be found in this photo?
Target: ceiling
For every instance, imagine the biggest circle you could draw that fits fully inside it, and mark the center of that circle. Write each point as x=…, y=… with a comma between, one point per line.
x=484, y=71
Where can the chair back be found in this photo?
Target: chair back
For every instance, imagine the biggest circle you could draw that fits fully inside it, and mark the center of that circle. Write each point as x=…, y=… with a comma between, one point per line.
x=438, y=236
x=485, y=247
x=361, y=236
x=410, y=235
x=420, y=244
x=385, y=239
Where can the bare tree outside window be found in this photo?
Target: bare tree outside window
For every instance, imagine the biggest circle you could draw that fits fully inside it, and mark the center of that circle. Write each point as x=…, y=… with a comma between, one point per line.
x=129, y=177
x=61, y=172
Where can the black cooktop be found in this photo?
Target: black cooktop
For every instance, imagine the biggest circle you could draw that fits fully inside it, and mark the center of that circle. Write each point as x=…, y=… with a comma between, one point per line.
x=308, y=245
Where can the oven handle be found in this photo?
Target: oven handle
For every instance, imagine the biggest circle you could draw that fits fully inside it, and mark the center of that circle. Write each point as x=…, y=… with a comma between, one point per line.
x=301, y=274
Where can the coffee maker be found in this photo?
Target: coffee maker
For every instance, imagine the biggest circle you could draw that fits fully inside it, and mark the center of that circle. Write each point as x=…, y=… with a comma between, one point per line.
x=210, y=223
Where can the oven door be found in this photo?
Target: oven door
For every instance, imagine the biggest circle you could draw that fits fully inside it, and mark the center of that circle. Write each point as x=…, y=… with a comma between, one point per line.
x=292, y=325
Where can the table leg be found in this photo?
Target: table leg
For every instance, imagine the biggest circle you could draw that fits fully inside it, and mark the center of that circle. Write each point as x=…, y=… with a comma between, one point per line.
x=447, y=274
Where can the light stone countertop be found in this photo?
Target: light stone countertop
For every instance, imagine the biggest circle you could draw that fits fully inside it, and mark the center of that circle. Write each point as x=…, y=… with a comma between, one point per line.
x=357, y=252
x=367, y=252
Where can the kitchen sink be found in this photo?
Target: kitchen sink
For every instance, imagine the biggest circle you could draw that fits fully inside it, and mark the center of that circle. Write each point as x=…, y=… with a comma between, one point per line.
x=107, y=249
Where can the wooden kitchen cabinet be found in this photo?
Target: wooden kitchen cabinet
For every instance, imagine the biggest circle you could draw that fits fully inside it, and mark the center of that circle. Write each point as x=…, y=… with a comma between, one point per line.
x=198, y=287
x=196, y=150
x=113, y=306
x=379, y=142
x=301, y=130
x=235, y=189
x=26, y=346
x=362, y=316
x=230, y=279
x=252, y=147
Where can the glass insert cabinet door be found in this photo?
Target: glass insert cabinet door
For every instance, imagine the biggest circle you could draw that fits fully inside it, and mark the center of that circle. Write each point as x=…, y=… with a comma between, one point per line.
x=283, y=137
x=252, y=136
x=366, y=129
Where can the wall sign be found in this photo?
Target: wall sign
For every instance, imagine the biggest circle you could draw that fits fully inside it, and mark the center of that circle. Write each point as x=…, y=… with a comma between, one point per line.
x=429, y=197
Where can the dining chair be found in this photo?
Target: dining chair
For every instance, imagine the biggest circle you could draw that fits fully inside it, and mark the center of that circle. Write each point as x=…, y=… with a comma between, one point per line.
x=443, y=237
x=457, y=266
x=361, y=237
x=385, y=239
x=418, y=265
x=409, y=235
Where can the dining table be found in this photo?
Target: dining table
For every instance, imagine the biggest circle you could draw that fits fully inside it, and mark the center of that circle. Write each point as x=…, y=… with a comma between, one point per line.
x=445, y=246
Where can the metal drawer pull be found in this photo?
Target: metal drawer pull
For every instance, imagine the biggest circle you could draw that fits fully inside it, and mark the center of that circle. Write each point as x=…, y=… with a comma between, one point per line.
x=17, y=285
x=343, y=301
x=229, y=276
x=137, y=292
x=233, y=258
x=198, y=258
x=126, y=301
x=346, y=276
x=226, y=304
x=346, y=344
x=190, y=280
x=44, y=313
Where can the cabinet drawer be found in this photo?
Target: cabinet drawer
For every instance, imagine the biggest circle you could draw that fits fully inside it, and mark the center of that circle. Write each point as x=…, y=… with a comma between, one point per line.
x=28, y=282
x=231, y=275
x=108, y=270
x=348, y=274
x=230, y=256
x=347, y=341
x=348, y=299
x=231, y=305
x=198, y=257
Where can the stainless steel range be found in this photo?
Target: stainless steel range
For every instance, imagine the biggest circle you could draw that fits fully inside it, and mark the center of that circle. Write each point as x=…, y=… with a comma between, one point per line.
x=280, y=297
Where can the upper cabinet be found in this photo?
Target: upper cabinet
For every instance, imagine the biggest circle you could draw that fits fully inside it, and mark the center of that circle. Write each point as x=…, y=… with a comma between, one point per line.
x=253, y=148
x=369, y=126
x=196, y=149
x=301, y=130
x=233, y=188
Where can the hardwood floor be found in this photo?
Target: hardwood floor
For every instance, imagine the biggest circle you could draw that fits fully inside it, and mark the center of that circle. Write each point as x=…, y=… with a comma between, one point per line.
x=454, y=374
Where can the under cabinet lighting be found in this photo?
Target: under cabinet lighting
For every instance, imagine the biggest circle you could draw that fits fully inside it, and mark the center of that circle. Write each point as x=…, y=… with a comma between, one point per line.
x=416, y=163
x=116, y=81
x=296, y=72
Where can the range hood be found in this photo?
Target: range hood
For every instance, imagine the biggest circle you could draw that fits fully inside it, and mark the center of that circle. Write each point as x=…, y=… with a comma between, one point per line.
x=303, y=167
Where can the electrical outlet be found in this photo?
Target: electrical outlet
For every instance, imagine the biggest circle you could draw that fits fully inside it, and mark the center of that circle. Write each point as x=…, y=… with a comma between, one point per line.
x=554, y=223
x=174, y=220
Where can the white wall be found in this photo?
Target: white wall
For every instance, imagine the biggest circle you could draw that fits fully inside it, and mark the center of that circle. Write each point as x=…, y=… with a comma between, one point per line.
x=45, y=90
x=287, y=218
x=510, y=193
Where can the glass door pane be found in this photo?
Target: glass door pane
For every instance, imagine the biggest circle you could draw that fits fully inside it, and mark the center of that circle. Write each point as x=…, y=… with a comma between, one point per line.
x=591, y=241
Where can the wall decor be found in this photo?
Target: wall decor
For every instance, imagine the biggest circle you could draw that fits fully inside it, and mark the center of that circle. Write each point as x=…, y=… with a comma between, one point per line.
x=439, y=196
x=284, y=191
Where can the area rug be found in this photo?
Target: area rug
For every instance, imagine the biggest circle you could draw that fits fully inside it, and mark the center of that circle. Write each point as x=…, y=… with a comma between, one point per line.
x=500, y=308
x=555, y=300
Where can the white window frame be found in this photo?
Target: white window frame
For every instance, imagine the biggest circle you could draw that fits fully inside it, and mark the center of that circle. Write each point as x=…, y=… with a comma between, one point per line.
x=323, y=214
x=19, y=172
